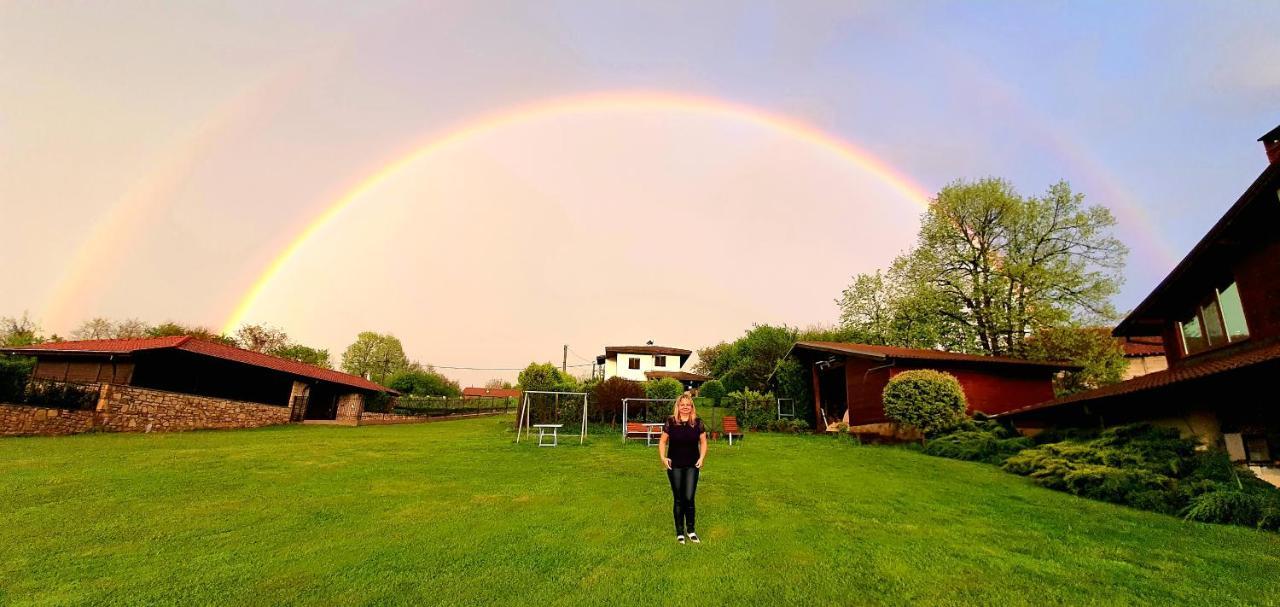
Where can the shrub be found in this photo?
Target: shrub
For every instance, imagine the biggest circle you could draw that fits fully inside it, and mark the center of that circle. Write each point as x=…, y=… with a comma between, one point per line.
x=753, y=409
x=14, y=373
x=713, y=390
x=1153, y=469
x=423, y=382
x=979, y=442
x=666, y=388
x=930, y=401
x=606, y=397
x=1226, y=506
x=60, y=395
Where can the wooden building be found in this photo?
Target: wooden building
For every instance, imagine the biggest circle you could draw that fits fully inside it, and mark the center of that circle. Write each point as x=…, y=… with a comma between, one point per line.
x=1217, y=315
x=849, y=379
x=190, y=366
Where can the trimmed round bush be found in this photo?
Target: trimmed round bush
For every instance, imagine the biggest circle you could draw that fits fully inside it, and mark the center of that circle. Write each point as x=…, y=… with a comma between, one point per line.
x=663, y=389
x=713, y=390
x=930, y=401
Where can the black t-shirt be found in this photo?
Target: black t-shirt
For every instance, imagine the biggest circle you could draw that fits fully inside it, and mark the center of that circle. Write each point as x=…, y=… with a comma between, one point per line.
x=682, y=442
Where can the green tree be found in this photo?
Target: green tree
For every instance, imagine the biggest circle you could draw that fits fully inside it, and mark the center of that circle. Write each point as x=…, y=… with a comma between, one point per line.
x=173, y=329
x=304, y=354
x=95, y=328
x=713, y=390
x=990, y=268
x=930, y=401
x=261, y=338
x=498, y=384
x=18, y=331
x=1093, y=348
x=423, y=382
x=546, y=377
x=666, y=388
x=375, y=355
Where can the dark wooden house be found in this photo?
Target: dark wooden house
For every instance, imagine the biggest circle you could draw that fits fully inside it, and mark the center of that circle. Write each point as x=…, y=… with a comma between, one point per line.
x=1218, y=316
x=849, y=379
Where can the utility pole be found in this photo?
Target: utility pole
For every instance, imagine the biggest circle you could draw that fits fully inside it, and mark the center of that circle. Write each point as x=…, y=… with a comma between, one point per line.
x=564, y=362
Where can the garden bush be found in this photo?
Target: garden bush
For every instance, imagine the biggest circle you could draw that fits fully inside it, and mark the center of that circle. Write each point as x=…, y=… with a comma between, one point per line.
x=713, y=390
x=753, y=409
x=606, y=397
x=1153, y=469
x=789, y=426
x=979, y=441
x=930, y=401
x=14, y=373
x=663, y=389
x=61, y=395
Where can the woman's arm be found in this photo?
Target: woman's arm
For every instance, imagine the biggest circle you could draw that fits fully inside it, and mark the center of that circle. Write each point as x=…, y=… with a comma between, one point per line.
x=702, y=448
x=662, y=451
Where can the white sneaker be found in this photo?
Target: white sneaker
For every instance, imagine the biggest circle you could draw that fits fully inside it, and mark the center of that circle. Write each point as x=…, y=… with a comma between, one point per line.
x=693, y=537
x=680, y=538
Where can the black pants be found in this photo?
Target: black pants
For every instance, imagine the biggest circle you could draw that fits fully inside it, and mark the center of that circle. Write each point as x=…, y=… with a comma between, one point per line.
x=684, y=483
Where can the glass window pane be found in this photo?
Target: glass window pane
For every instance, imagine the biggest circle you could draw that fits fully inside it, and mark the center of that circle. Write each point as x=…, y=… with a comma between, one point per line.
x=1192, y=338
x=1212, y=320
x=1233, y=313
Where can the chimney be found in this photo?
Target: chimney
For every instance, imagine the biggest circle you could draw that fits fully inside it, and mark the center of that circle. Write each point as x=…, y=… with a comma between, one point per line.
x=1271, y=141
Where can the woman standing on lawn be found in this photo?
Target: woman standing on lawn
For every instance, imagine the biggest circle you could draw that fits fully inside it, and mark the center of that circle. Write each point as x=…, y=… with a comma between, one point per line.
x=682, y=448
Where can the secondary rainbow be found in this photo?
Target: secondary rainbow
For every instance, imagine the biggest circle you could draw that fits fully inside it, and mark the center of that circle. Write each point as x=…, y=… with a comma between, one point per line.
x=598, y=102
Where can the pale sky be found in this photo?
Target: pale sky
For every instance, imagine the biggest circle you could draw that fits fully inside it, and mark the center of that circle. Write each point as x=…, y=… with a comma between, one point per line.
x=155, y=160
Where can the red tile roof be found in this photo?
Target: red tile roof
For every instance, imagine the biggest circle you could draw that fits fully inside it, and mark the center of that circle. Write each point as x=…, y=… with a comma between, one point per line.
x=888, y=352
x=491, y=392
x=1136, y=347
x=680, y=375
x=1168, y=377
x=202, y=347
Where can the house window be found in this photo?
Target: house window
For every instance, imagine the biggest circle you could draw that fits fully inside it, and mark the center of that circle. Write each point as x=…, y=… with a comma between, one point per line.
x=659, y=361
x=1216, y=322
x=1233, y=313
x=633, y=363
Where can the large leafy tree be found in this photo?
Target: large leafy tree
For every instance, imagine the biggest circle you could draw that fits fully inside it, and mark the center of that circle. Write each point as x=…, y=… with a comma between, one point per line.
x=304, y=354
x=546, y=377
x=420, y=381
x=375, y=355
x=18, y=331
x=1093, y=348
x=990, y=268
x=261, y=338
x=95, y=328
x=172, y=329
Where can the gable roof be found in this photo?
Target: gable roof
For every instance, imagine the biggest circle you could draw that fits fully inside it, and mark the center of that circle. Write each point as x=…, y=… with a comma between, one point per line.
x=1140, y=347
x=646, y=350
x=1169, y=377
x=894, y=352
x=205, y=348
x=1148, y=317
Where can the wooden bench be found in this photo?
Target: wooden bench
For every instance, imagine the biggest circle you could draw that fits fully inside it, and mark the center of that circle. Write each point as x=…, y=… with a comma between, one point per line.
x=730, y=425
x=649, y=432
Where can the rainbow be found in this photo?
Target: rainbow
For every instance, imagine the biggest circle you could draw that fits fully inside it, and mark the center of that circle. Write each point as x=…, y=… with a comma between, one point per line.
x=589, y=103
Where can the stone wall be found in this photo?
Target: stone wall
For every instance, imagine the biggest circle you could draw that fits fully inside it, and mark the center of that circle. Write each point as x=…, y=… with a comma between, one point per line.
x=18, y=420
x=350, y=408
x=132, y=409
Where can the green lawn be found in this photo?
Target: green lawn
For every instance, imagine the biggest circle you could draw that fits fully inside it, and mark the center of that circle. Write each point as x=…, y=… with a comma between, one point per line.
x=454, y=513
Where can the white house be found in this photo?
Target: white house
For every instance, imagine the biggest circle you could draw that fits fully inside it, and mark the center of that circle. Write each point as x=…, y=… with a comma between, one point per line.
x=640, y=363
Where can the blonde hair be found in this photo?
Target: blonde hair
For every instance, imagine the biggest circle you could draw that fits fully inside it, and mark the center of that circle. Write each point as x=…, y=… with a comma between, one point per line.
x=693, y=409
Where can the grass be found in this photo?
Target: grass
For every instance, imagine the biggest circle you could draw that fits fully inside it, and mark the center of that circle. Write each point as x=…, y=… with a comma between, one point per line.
x=454, y=513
